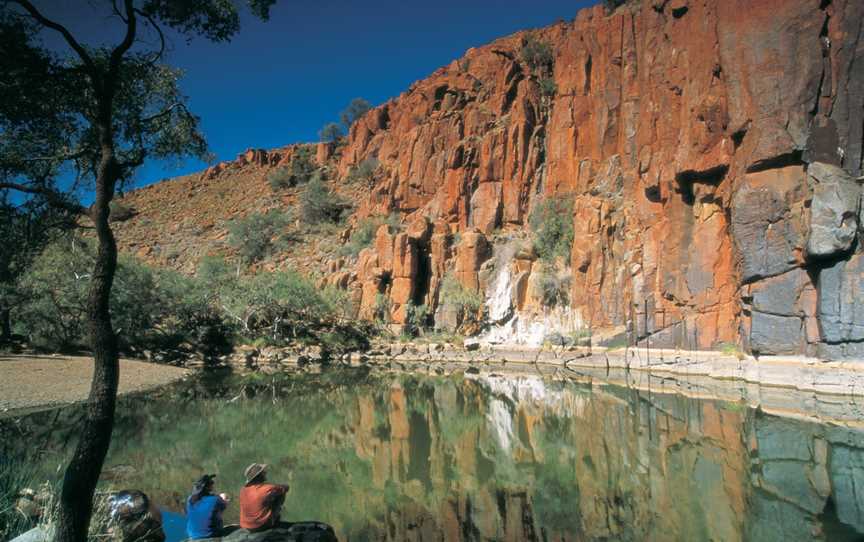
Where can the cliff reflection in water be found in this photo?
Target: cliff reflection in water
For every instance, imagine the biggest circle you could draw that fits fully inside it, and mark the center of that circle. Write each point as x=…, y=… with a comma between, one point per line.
x=401, y=457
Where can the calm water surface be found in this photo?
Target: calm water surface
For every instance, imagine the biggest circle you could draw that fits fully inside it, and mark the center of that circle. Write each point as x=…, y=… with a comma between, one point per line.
x=410, y=457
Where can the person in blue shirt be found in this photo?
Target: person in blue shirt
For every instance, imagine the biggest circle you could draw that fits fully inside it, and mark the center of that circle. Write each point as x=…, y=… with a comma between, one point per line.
x=204, y=510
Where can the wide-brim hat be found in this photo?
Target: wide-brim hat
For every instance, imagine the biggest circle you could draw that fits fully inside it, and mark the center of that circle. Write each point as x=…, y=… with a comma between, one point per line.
x=253, y=471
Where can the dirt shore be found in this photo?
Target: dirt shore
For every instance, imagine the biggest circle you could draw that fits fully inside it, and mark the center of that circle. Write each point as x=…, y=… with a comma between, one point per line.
x=29, y=383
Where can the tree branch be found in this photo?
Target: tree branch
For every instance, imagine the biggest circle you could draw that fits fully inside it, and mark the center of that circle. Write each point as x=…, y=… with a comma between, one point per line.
x=152, y=21
x=70, y=39
x=166, y=111
x=54, y=198
x=128, y=40
x=117, y=11
x=58, y=157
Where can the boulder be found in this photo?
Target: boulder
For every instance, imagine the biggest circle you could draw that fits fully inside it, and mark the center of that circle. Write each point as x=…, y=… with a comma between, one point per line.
x=834, y=212
x=304, y=531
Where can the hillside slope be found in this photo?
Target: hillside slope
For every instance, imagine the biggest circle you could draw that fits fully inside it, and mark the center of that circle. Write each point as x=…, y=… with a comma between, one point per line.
x=712, y=150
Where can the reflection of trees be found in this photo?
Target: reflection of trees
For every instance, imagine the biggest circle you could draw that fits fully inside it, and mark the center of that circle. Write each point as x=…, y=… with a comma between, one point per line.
x=401, y=457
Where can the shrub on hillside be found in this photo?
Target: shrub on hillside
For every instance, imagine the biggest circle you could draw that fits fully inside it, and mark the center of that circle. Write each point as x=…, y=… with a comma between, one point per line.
x=299, y=171
x=467, y=303
x=258, y=235
x=416, y=319
x=536, y=53
x=612, y=5
x=356, y=109
x=548, y=86
x=280, y=179
x=319, y=204
x=120, y=212
x=381, y=309
x=364, y=172
x=364, y=233
x=552, y=223
x=330, y=132
x=555, y=289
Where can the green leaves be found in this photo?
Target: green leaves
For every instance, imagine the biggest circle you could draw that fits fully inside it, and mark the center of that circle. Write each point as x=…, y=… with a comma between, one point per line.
x=258, y=234
x=552, y=224
x=215, y=20
x=300, y=171
x=537, y=53
x=330, y=133
x=319, y=204
x=57, y=111
x=356, y=109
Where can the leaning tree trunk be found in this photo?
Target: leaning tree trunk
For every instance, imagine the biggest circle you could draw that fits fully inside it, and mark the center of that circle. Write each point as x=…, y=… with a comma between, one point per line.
x=82, y=473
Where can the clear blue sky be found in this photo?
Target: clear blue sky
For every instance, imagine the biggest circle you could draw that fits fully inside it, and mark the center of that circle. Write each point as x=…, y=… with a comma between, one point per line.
x=278, y=82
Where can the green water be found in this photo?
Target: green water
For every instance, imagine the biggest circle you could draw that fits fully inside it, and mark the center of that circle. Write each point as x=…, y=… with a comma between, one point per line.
x=409, y=457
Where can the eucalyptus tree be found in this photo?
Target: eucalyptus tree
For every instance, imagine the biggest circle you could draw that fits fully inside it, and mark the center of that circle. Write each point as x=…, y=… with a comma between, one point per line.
x=25, y=228
x=94, y=113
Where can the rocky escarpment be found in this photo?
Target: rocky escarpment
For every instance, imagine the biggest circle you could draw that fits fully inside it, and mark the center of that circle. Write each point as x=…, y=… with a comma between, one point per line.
x=712, y=150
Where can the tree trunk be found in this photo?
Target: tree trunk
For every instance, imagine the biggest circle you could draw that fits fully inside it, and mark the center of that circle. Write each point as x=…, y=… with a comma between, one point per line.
x=5, y=324
x=82, y=473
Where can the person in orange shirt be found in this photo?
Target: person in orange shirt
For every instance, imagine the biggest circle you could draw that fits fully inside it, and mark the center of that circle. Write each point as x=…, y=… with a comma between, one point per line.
x=260, y=501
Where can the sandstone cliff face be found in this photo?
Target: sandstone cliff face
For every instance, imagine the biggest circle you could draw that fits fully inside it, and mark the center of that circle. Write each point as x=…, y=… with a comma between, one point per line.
x=713, y=149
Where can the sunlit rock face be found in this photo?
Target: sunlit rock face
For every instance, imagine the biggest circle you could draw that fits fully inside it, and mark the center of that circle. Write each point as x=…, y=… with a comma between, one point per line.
x=712, y=148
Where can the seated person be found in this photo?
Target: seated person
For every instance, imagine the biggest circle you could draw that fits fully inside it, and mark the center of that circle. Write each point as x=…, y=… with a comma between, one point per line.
x=204, y=510
x=135, y=518
x=260, y=502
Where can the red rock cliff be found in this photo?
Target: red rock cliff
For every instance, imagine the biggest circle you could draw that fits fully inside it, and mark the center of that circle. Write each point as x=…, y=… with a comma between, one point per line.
x=714, y=149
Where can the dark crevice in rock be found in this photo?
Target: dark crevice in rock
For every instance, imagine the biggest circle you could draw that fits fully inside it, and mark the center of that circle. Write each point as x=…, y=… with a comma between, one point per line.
x=440, y=92
x=659, y=8
x=652, y=193
x=826, y=65
x=515, y=71
x=512, y=92
x=738, y=135
x=501, y=501
x=505, y=54
x=793, y=158
x=384, y=118
x=386, y=281
x=588, y=64
x=830, y=260
x=685, y=179
x=824, y=4
x=763, y=276
x=845, y=341
x=423, y=280
x=680, y=12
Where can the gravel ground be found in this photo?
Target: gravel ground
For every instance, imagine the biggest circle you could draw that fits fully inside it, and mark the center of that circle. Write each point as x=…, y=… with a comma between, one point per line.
x=29, y=383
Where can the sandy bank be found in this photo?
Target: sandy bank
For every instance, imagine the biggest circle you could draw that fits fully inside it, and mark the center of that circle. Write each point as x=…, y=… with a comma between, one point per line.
x=29, y=383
